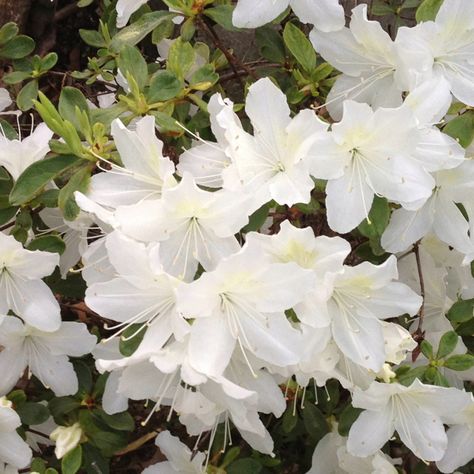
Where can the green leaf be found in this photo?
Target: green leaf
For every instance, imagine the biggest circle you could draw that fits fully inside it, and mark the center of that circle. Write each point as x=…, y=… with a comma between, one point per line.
x=71, y=462
x=289, y=420
x=131, y=339
x=258, y=218
x=460, y=362
x=427, y=349
x=461, y=128
x=32, y=181
x=135, y=32
x=16, y=77
x=18, y=47
x=79, y=181
x=299, y=46
x=348, y=416
x=94, y=461
x=49, y=61
x=204, y=78
x=93, y=38
x=246, y=465
x=32, y=413
x=27, y=95
x=70, y=100
x=410, y=4
x=428, y=10
x=381, y=9
x=222, y=15
x=314, y=421
x=163, y=31
x=120, y=421
x=181, y=58
x=408, y=377
x=230, y=456
x=271, y=44
x=379, y=217
x=84, y=377
x=447, y=344
x=164, y=86
x=61, y=406
x=7, y=32
x=131, y=61
x=48, y=243
x=38, y=465
x=461, y=311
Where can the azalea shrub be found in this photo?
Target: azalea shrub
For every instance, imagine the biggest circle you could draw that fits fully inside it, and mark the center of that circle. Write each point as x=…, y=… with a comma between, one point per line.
x=215, y=261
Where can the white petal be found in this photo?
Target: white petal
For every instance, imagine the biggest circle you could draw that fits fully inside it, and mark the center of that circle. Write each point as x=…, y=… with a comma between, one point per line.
x=326, y=15
x=370, y=432
x=249, y=14
x=460, y=448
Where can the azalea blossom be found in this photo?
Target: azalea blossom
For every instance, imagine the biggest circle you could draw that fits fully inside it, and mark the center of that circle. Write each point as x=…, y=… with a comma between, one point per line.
x=125, y=9
x=13, y=450
x=141, y=292
x=361, y=297
x=5, y=100
x=180, y=458
x=44, y=353
x=367, y=57
x=331, y=457
x=366, y=154
x=17, y=154
x=441, y=48
x=326, y=15
x=439, y=214
x=74, y=234
x=145, y=171
x=271, y=164
x=243, y=302
x=21, y=287
x=66, y=439
x=460, y=441
x=416, y=412
x=192, y=225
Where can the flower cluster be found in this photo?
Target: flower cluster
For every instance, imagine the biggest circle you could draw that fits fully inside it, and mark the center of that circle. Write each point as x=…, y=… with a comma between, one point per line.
x=217, y=301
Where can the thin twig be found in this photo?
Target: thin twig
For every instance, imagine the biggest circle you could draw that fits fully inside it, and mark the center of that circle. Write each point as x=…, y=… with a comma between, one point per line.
x=421, y=312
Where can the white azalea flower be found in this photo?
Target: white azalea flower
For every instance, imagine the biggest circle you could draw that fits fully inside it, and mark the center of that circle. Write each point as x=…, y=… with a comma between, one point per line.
x=66, y=438
x=460, y=441
x=439, y=214
x=366, y=154
x=13, y=450
x=74, y=234
x=416, y=412
x=180, y=458
x=322, y=255
x=331, y=457
x=140, y=293
x=16, y=155
x=366, y=56
x=444, y=48
x=145, y=170
x=21, y=287
x=194, y=226
x=44, y=353
x=5, y=100
x=206, y=161
x=242, y=301
x=271, y=164
x=326, y=15
x=361, y=297
x=125, y=9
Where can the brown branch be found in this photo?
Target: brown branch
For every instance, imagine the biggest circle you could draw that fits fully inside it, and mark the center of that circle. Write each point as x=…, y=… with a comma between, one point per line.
x=234, y=62
x=66, y=11
x=421, y=312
